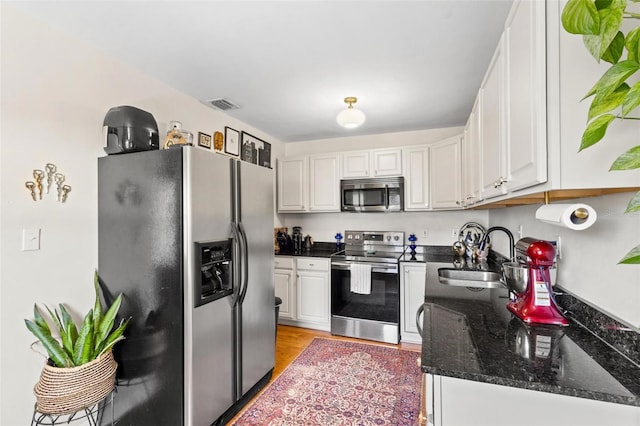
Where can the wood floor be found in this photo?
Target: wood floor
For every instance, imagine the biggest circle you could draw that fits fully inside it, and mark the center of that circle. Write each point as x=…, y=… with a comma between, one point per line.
x=291, y=341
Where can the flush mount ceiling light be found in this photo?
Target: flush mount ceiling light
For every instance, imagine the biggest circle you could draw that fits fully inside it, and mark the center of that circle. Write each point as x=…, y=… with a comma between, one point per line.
x=350, y=117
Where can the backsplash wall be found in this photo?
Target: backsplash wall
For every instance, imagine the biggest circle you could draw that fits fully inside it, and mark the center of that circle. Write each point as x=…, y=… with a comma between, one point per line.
x=439, y=225
x=589, y=265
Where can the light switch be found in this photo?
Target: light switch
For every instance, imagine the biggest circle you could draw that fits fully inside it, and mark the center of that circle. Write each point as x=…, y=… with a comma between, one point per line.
x=31, y=239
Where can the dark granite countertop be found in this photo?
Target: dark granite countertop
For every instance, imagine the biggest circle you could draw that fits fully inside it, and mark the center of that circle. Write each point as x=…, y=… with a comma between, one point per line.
x=319, y=249
x=470, y=334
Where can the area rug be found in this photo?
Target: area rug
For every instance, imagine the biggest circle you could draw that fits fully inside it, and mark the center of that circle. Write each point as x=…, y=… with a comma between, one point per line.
x=334, y=382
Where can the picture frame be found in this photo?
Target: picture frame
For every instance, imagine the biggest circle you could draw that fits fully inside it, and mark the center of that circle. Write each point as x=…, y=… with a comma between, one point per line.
x=255, y=150
x=204, y=140
x=231, y=141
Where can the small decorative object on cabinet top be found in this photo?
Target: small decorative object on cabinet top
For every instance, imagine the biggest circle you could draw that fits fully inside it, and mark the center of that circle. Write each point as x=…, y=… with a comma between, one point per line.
x=176, y=136
x=36, y=188
x=218, y=141
x=204, y=140
x=232, y=141
x=80, y=370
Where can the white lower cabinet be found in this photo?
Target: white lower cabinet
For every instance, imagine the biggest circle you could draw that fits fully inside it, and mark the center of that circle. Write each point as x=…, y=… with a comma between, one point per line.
x=303, y=284
x=284, y=277
x=450, y=402
x=412, y=278
x=313, y=293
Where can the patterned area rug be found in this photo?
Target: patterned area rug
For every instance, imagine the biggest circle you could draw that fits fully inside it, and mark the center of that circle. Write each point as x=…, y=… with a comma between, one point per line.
x=334, y=382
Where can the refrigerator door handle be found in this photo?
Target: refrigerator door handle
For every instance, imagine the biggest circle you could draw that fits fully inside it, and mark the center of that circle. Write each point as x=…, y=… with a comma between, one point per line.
x=245, y=263
x=238, y=269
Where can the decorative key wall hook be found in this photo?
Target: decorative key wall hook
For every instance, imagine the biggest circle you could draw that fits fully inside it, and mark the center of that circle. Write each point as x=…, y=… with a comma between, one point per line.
x=52, y=175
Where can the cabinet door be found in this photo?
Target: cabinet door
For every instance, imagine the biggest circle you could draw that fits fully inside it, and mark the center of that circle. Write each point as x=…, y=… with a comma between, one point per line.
x=387, y=162
x=416, y=178
x=471, y=158
x=292, y=184
x=492, y=133
x=526, y=91
x=445, y=174
x=324, y=183
x=285, y=289
x=355, y=164
x=313, y=297
x=412, y=278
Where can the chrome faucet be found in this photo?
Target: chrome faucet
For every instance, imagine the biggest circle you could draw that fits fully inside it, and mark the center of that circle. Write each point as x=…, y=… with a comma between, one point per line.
x=506, y=231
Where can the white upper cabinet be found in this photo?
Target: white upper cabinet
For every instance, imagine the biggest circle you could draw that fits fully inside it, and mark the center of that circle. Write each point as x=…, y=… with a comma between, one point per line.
x=292, y=184
x=324, y=183
x=526, y=112
x=444, y=168
x=372, y=163
x=386, y=162
x=470, y=158
x=492, y=127
x=416, y=177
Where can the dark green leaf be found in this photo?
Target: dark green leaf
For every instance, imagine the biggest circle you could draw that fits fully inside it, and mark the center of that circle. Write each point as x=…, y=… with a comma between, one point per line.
x=107, y=321
x=633, y=257
x=56, y=319
x=113, y=338
x=634, y=204
x=39, y=319
x=632, y=43
x=628, y=161
x=83, y=349
x=596, y=130
x=602, y=104
x=615, y=49
x=97, y=306
x=580, y=17
x=632, y=100
x=55, y=351
x=615, y=76
x=71, y=331
x=602, y=4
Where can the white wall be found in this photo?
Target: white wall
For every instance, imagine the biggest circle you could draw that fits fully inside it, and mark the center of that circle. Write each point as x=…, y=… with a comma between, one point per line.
x=589, y=265
x=439, y=225
x=55, y=94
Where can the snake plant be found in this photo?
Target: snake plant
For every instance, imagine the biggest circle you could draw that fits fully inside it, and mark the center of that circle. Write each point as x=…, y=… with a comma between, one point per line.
x=69, y=346
x=617, y=94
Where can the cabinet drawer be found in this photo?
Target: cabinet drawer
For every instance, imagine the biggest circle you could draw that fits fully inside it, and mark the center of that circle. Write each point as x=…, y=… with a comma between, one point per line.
x=313, y=264
x=283, y=262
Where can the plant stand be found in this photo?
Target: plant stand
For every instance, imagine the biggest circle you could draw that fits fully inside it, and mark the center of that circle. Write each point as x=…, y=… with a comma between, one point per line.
x=93, y=414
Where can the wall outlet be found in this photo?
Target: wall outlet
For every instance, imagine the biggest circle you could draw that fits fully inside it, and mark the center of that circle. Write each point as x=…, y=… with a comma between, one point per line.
x=520, y=232
x=558, y=244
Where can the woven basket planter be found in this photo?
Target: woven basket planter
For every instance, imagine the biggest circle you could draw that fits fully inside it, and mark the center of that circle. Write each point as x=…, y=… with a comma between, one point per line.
x=67, y=390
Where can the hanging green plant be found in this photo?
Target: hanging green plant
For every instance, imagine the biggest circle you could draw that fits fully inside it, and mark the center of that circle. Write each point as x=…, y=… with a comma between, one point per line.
x=69, y=346
x=615, y=96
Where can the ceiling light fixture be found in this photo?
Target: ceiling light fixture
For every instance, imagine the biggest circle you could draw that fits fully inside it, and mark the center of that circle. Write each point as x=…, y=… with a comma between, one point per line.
x=350, y=117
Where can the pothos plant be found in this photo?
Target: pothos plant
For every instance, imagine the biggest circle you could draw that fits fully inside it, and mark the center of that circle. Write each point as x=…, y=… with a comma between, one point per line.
x=614, y=95
x=69, y=346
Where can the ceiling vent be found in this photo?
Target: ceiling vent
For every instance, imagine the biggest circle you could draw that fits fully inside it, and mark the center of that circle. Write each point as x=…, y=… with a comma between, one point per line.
x=222, y=104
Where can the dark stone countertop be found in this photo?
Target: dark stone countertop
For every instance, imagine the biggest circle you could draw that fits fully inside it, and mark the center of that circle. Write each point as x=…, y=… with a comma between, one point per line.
x=471, y=335
x=319, y=249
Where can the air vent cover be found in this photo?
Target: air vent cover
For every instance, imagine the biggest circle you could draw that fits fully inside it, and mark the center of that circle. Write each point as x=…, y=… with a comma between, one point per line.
x=222, y=104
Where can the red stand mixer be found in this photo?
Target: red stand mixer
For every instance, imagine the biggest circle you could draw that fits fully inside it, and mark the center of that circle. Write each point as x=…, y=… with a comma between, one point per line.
x=529, y=280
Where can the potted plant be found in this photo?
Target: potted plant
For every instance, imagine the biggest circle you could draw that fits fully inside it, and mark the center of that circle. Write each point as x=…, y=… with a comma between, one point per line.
x=615, y=95
x=81, y=368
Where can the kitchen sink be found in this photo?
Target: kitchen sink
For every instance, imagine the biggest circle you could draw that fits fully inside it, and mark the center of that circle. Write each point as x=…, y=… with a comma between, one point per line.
x=476, y=278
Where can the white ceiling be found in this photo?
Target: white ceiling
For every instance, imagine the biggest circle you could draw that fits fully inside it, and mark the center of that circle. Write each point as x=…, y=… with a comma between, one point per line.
x=412, y=65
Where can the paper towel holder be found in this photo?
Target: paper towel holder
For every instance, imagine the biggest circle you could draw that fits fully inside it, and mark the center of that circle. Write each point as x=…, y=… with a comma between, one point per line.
x=576, y=216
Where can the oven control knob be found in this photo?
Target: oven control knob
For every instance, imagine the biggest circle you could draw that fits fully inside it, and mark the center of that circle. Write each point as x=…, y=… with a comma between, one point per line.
x=396, y=238
x=388, y=237
x=357, y=236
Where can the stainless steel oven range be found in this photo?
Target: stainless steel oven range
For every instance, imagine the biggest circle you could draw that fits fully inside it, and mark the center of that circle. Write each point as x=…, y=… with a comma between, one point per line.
x=365, y=286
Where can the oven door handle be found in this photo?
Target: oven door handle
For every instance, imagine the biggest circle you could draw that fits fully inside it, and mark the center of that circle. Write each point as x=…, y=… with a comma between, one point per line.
x=418, y=325
x=375, y=267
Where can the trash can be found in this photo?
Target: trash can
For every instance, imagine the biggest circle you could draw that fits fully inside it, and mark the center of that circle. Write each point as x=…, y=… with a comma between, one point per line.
x=278, y=303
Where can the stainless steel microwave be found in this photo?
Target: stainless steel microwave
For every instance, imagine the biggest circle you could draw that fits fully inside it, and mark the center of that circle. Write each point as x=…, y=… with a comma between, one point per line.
x=372, y=195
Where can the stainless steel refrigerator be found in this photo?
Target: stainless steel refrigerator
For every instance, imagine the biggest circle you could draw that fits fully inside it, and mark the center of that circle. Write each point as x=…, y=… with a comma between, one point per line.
x=193, y=355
